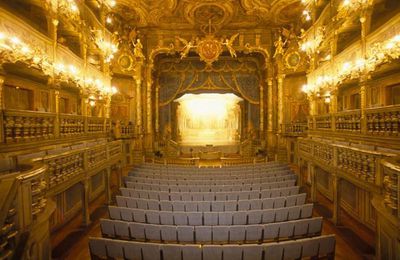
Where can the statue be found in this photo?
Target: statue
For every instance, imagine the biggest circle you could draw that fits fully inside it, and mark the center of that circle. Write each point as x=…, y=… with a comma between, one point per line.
x=229, y=45
x=138, y=51
x=186, y=48
x=279, y=47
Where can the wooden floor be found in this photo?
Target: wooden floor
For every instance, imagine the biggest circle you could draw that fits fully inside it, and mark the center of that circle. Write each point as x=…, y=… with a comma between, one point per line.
x=71, y=242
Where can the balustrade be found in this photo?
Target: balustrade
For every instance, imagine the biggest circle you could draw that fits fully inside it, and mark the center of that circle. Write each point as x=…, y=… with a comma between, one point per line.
x=360, y=163
x=391, y=184
x=323, y=122
x=296, y=128
x=71, y=125
x=97, y=155
x=348, y=121
x=383, y=121
x=28, y=126
x=21, y=126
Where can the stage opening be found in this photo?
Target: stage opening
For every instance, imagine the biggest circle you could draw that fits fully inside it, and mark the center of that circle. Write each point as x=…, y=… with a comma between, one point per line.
x=209, y=119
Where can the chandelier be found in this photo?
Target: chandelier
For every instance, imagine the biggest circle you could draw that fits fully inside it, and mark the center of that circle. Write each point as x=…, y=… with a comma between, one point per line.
x=350, y=6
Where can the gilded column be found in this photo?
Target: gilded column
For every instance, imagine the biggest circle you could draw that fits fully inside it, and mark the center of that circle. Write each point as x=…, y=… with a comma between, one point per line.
x=2, y=107
x=280, y=101
x=270, y=105
x=157, y=107
x=336, y=200
x=85, y=203
x=333, y=108
x=139, y=106
x=262, y=111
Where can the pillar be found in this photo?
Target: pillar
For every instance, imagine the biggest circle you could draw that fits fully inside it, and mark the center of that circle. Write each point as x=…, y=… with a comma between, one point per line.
x=157, y=111
x=313, y=176
x=85, y=203
x=270, y=118
x=363, y=104
x=138, y=106
x=2, y=107
x=336, y=199
x=280, y=102
x=262, y=111
x=107, y=184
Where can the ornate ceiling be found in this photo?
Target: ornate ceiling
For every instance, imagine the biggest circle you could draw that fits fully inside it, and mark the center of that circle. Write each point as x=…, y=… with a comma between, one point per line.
x=195, y=14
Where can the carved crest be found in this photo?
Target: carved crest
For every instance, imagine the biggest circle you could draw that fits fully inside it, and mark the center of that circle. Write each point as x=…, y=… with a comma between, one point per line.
x=209, y=49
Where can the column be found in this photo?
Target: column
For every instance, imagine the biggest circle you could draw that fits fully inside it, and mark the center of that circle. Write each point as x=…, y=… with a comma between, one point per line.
x=85, y=203
x=262, y=111
x=363, y=104
x=2, y=107
x=107, y=184
x=139, y=106
x=149, y=114
x=336, y=199
x=270, y=118
x=313, y=176
x=280, y=102
x=333, y=108
x=157, y=108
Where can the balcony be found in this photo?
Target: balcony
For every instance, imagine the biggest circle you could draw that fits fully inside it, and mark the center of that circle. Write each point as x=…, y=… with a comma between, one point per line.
x=294, y=129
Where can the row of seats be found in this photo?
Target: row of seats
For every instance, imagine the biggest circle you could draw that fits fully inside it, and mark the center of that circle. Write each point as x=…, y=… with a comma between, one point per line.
x=211, y=234
x=213, y=175
x=211, y=218
x=209, y=196
x=322, y=246
x=209, y=188
x=224, y=181
x=216, y=206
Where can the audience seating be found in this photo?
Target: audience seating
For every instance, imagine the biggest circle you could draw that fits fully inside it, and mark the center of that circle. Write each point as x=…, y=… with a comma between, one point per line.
x=247, y=217
x=104, y=248
x=193, y=195
x=250, y=212
x=212, y=234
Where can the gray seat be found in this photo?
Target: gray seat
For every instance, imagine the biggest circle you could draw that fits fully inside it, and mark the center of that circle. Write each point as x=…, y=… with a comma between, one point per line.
x=239, y=218
x=97, y=247
x=232, y=252
x=203, y=234
x=210, y=218
x=225, y=218
x=212, y=252
x=137, y=231
x=180, y=218
x=271, y=231
x=139, y=215
x=115, y=249
x=274, y=251
x=150, y=251
x=166, y=218
x=165, y=205
x=254, y=217
x=252, y=252
x=114, y=212
x=204, y=206
x=169, y=233
x=185, y=234
x=220, y=234
x=191, y=252
x=195, y=218
x=121, y=229
x=217, y=206
x=237, y=234
x=191, y=206
x=171, y=252
x=153, y=217
x=243, y=205
x=107, y=227
x=132, y=251
x=291, y=250
x=254, y=233
x=153, y=232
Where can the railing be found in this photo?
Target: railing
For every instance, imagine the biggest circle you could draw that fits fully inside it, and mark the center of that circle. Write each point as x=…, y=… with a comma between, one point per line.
x=75, y=164
x=391, y=185
x=21, y=126
x=323, y=122
x=348, y=121
x=28, y=126
x=383, y=121
x=358, y=163
x=23, y=199
x=242, y=161
x=294, y=129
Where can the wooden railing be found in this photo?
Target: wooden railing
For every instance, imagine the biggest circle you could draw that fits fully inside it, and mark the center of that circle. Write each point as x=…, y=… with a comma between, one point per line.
x=391, y=185
x=23, y=199
x=360, y=164
x=294, y=129
x=383, y=121
x=66, y=166
x=22, y=126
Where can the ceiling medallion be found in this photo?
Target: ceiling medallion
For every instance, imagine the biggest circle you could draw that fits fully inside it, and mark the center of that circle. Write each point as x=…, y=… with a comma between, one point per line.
x=208, y=48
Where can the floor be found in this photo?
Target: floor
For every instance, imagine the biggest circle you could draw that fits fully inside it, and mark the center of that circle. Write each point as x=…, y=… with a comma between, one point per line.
x=75, y=242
